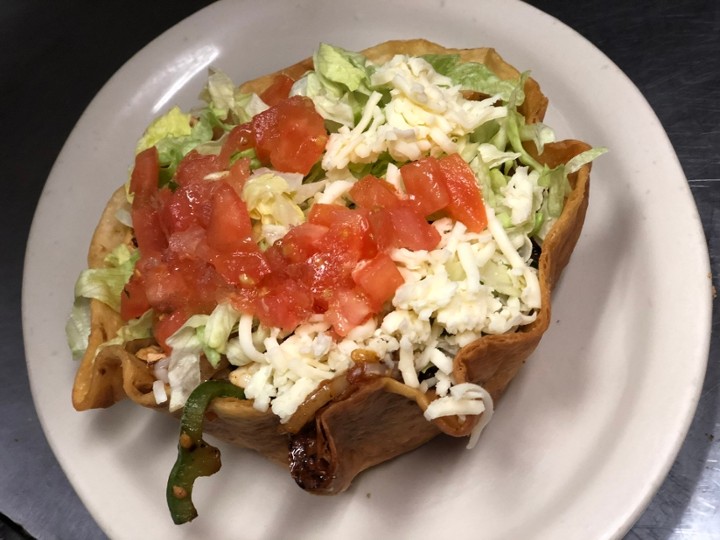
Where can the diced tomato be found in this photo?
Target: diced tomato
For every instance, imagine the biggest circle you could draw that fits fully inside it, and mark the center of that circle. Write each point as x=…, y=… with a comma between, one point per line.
x=240, y=138
x=229, y=228
x=411, y=229
x=278, y=90
x=188, y=206
x=166, y=289
x=424, y=183
x=206, y=285
x=145, y=174
x=325, y=272
x=276, y=259
x=328, y=215
x=349, y=230
x=148, y=230
x=402, y=227
x=241, y=268
x=194, y=279
x=238, y=175
x=378, y=279
x=348, y=309
x=133, y=301
x=302, y=241
x=145, y=215
x=372, y=193
x=166, y=324
x=188, y=243
x=290, y=136
x=195, y=166
x=284, y=304
x=351, y=237
x=242, y=299
x=466, y=201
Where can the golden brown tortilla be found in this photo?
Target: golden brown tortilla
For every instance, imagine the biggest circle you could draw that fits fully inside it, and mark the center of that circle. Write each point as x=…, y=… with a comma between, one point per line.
x=356, y=420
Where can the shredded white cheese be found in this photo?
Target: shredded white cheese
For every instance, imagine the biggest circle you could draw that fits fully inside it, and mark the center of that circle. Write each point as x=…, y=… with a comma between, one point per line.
x=426, y=114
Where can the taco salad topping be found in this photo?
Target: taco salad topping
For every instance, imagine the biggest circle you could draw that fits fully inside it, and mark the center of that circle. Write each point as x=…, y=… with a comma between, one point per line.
x=385, y=213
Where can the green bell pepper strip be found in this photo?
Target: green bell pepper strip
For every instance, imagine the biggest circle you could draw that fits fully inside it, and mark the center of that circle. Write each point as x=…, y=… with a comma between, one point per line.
x=195, y=456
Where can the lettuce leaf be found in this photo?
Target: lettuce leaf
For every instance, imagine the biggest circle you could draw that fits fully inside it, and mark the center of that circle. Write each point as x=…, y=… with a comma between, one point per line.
x=339, y=85
x=223, y=98
x=103, y=284
x=106, y=284
x=173, y=124
x=472, y=76
x=340, y=67
x=77, y=328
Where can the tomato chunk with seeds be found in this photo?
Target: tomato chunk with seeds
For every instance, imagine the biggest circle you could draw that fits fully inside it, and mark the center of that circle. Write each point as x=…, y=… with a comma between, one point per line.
x=302, y=241
x=348, y=230
x=229, y=228
x=324, y=273
x=195, y=166
x=187, y=207
x=240, y=138
x=402, y=227
x=284, y=304
x=466, y=201
x=148, y=229
x=278, y=90
x=166, y=324
x=351, y=237
x=241, y=268
x=371, y=193
x=133, y=301
x=290, y=136
x=379, y=279
x=145, y=174
x=424, y=183
x=348, y=308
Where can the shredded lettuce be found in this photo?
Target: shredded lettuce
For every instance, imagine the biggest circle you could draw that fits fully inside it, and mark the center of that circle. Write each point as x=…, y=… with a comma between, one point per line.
x=497, y=275
x=172, y=149
x=207, y=334
x=269, y=200
x=473, y=76
x=77, y=328
x=200, y=335
x=106, y=284
x=223, y=98
x=339, y=85
x=341, y=67
x=140, y=328
x=103, y=284
x=220, y=324
x=576, y=163
x=539, y=133
x=173, y=124
x=558, y=188
x=175, y=134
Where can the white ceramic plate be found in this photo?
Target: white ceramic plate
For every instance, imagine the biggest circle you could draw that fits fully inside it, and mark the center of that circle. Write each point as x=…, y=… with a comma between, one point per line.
x=587, y=431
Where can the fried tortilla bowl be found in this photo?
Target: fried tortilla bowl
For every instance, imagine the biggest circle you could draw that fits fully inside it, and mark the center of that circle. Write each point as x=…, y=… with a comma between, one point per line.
x=358, y=419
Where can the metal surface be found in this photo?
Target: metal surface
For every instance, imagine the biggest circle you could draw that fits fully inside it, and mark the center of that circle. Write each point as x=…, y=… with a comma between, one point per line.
x=54, y=56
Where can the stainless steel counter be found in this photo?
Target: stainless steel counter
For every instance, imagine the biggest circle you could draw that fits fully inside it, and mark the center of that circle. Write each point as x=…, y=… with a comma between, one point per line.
x=54, y=56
